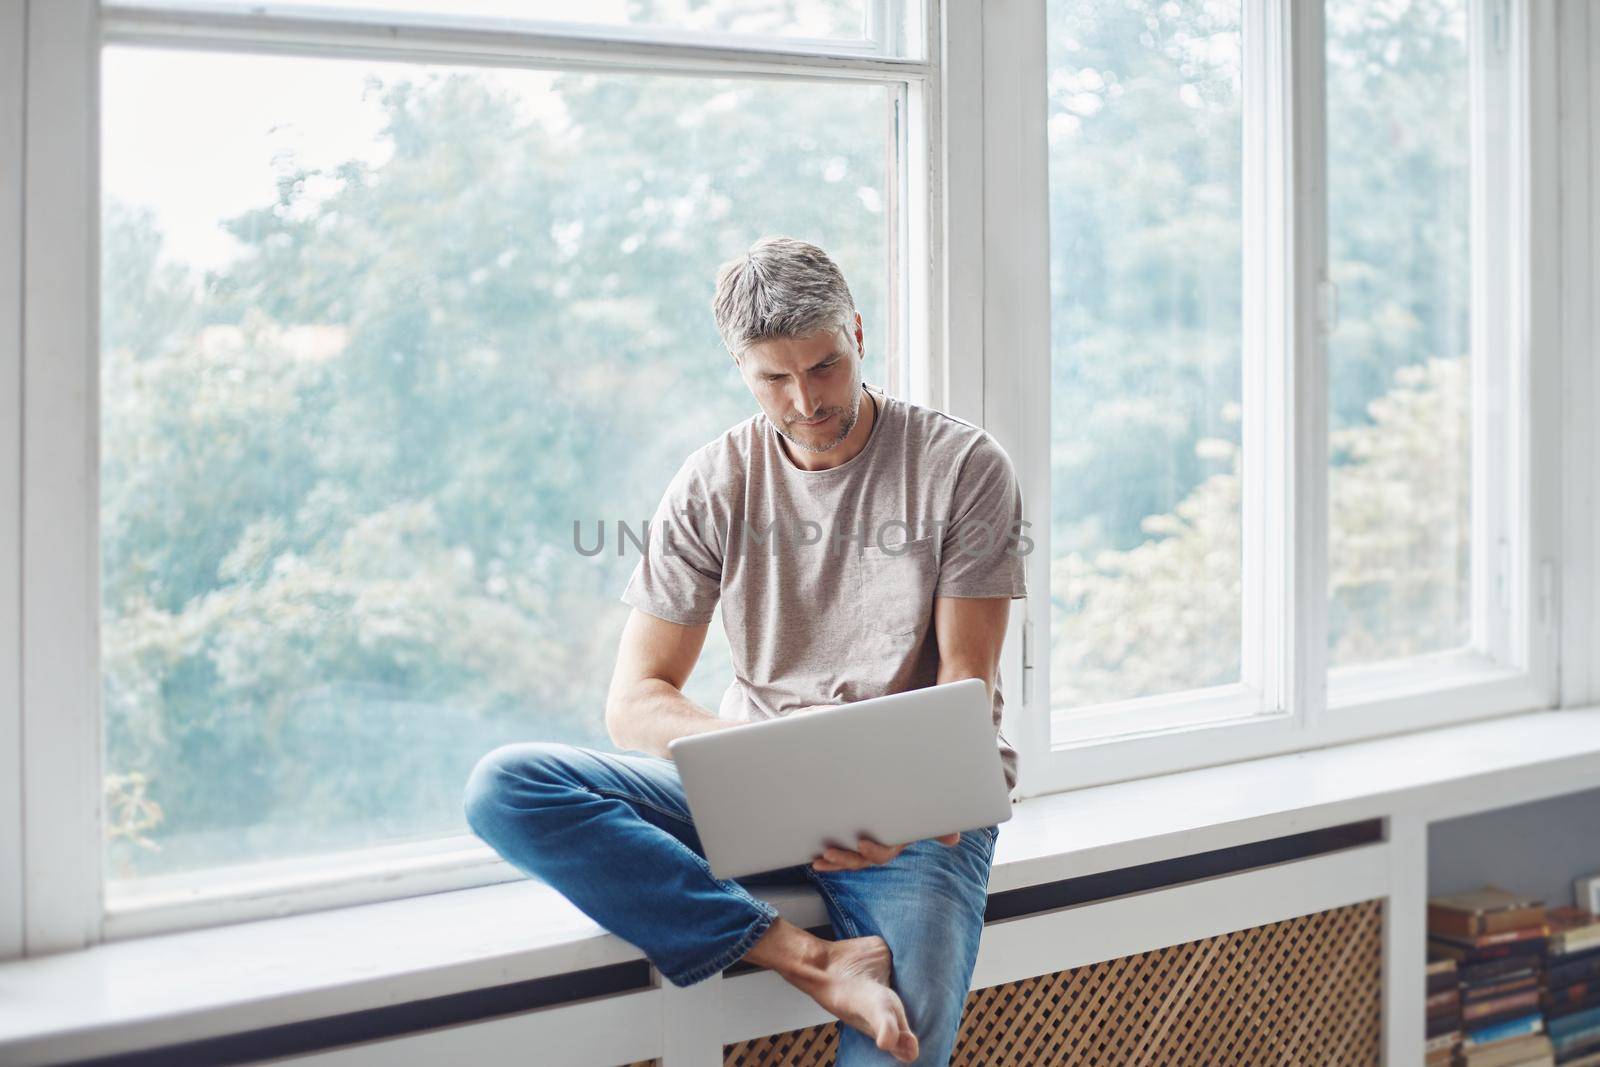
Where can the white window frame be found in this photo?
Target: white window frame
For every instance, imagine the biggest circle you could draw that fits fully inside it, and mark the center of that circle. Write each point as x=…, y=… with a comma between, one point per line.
x=13, y=25
x=53, y=898
x=973, y=256
x=1574, y=80
x=1287, y=698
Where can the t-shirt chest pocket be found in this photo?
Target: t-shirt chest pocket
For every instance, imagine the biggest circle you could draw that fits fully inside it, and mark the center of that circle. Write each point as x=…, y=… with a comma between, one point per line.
x=896, y=583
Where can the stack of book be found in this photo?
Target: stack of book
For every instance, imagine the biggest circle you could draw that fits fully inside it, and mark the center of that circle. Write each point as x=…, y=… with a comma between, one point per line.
x=1497, y=940
x=1571, y=998
x=1444, y=1014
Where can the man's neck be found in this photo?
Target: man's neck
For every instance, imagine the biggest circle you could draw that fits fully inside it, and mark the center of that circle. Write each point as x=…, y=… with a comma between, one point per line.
x=845, y=450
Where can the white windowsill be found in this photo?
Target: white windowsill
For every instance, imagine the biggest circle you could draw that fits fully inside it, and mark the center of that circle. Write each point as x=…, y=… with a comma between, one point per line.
x=188, y=986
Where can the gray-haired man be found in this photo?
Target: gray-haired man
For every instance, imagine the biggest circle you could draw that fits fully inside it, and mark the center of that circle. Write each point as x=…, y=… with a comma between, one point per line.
x=902, y=579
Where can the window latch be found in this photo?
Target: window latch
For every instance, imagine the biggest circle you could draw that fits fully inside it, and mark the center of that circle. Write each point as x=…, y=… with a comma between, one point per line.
x=1327, y=305
x=1027, y=659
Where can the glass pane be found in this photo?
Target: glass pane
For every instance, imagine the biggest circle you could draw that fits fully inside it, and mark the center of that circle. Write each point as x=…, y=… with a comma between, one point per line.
x=1399, y=550
x=1146, y=141
x=821, y=21
x=374, y=338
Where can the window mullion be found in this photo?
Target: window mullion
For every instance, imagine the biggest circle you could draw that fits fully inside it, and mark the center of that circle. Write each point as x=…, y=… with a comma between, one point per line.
x=1533, y=228
x=1492, y=569
x=13, y=23
x=1305, y=385
x=1579, y=578
x=60, y=481
x=1265, y=553
x=1016, y=334
x=950, y=375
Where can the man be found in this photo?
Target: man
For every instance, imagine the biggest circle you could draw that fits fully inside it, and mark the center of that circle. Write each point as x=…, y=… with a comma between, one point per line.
x=859, y=545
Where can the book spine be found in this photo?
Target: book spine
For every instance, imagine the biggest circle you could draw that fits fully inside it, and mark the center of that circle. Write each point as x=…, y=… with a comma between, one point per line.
x=1443, y=1041
x=1558, y=1007
x=1525, y=1024
x=1578, y=1020
x=1559, y=974
x=1529, y=935
x=1449, y=998
x=1498, y=988
x=1487, y=1008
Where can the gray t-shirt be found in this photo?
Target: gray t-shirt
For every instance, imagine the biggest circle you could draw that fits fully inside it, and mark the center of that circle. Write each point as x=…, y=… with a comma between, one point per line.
x=827, y=578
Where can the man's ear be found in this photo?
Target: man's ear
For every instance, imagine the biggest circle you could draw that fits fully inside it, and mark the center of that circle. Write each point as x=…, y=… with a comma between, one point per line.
x=861, y=346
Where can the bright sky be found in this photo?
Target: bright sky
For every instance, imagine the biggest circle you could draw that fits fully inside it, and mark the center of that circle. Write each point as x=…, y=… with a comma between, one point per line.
x=199, y=137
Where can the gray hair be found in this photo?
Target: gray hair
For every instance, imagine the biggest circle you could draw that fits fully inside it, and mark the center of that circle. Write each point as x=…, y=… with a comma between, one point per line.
x=781, y=287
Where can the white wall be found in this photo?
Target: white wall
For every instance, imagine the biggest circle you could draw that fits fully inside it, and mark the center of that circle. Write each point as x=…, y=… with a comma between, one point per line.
x=1534, y=848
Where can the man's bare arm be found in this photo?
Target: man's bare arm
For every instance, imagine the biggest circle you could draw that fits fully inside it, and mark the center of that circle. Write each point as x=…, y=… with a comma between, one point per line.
x=970, y=632
x=646, y=708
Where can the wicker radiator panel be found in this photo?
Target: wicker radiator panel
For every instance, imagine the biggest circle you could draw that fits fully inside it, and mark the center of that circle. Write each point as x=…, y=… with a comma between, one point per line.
x=1302, y=991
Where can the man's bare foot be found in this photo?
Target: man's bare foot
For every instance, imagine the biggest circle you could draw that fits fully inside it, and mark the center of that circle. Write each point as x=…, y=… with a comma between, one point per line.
x=849, y=978
x=854, y=986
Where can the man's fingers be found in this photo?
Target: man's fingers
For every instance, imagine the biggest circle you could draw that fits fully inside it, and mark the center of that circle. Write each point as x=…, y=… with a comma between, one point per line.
x=843, y=859
x=878, y=853
x=871, y=850
x=868, y=853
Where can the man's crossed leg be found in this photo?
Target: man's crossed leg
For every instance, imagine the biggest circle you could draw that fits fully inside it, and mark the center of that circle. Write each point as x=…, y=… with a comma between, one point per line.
x=613, y=834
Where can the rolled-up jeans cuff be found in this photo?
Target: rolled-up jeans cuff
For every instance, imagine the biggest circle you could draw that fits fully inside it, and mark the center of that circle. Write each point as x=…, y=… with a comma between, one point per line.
x=766, y=915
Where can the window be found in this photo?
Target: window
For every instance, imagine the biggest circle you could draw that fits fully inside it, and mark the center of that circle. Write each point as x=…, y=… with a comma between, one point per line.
x=1400, y=355
x=1282, y=294
x=389, y=304
x=376, y=337
x=1146, y=155
x=401, y=313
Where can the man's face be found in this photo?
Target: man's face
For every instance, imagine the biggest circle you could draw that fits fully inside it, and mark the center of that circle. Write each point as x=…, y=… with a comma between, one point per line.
x=809, y=387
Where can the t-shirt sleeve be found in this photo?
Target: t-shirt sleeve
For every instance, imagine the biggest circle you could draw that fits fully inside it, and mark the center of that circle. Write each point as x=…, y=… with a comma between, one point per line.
x=981, y=552
x=679, y=574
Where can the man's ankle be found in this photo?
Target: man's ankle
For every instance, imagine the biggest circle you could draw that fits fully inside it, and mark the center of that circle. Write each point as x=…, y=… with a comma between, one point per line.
x=796, y=954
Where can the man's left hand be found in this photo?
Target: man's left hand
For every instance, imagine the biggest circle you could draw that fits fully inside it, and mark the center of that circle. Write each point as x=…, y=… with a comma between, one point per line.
x=868, y=853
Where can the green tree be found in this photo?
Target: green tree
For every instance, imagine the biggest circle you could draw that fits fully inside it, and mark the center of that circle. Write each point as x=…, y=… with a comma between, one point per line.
x=1145, y=99
x=341, y=472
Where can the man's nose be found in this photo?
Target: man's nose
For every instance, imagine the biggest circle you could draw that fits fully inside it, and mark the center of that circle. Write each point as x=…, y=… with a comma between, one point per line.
x=804, y=403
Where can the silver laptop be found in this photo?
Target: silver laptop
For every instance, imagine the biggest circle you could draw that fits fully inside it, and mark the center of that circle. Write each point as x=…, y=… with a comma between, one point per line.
x=896, y=769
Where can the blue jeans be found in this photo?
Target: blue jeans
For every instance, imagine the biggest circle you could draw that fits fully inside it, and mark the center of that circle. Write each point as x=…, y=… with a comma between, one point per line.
x=613, y=834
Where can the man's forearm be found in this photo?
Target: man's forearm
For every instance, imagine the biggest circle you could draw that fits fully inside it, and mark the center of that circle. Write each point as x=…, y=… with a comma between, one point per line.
x=653, y=713
x=957, y=671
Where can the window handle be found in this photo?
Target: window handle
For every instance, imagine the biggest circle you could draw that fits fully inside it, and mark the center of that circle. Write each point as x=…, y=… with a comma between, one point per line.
x=1327, y=305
